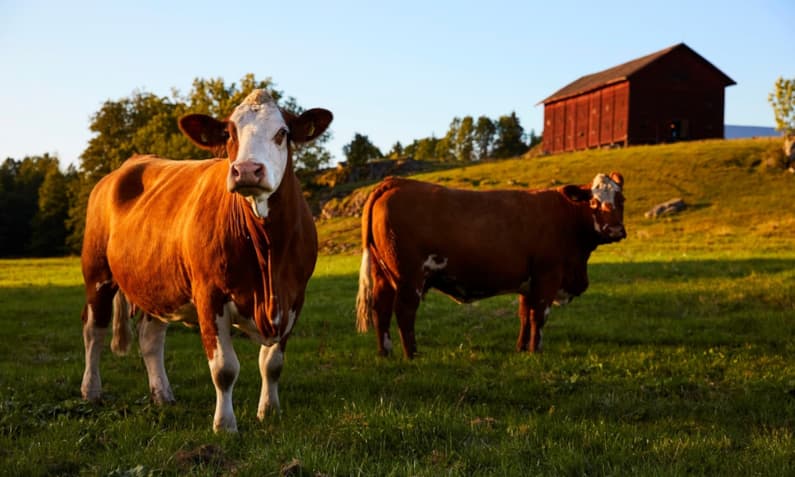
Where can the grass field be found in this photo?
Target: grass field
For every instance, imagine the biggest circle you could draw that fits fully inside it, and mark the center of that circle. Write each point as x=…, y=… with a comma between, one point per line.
x=678, y=360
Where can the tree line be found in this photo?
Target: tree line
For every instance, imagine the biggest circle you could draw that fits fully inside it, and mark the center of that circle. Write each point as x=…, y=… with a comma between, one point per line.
x=42, y=207
x=466, y=140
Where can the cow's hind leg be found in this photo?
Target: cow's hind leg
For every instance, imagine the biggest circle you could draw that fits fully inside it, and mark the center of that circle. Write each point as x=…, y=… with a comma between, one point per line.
x=406, y=304
x=152, y=339
x=383, y=306
x=532, y=316
x=96, y=317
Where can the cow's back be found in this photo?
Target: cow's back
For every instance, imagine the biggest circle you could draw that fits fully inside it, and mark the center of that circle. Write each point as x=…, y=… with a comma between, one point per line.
x=493, y=232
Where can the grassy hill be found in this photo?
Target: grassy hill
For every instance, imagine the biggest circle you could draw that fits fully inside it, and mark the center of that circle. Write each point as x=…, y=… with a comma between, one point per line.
x=736, y=201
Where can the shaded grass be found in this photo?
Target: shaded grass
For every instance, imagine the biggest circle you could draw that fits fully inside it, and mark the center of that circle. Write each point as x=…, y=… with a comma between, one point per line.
x=664, y=367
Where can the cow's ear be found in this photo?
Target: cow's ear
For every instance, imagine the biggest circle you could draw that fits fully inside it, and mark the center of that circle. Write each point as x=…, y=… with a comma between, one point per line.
x=309, y=125
x=204, y=131
x=617, y=178
x=577, y=193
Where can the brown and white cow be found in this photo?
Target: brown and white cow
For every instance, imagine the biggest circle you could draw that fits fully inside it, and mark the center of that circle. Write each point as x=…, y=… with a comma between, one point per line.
x=477, y=244
x=216, y=242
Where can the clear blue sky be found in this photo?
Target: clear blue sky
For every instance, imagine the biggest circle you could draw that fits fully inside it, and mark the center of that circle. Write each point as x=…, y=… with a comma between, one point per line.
x=394, y=71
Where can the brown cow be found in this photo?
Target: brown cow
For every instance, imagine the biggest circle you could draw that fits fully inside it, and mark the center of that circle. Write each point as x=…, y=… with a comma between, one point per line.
x=217, y=242
x=472, y=245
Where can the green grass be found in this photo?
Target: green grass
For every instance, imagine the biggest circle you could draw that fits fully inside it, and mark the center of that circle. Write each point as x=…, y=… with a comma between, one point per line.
x=678, y=360
x=664, y=367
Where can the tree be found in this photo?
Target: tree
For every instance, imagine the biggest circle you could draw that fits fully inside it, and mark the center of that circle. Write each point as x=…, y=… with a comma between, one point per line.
x=782, y=99
x=483, y=137
x=360, y=150
x=423, y=149
x=308, y=157
x=510, y=137
x=533, y=139
x=465, y=140
x=48, y=226
x=19, y=195
x=396, y=152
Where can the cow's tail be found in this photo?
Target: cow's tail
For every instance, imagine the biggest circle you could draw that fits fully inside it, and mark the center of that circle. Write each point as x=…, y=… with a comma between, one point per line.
x=364, y=299
x=122, y=332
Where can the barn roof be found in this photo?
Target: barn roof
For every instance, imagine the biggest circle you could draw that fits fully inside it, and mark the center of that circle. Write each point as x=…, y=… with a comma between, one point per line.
x=623, y=72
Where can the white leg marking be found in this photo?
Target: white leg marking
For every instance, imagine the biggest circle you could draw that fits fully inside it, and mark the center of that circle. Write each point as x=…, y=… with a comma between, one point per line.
x=562, y=298
x=290, y=323
x=93, y=340
x=433, y=263
x=102, y=284
x=224, y=368
x=247, y=326
x=541, y=331
x=151, y=339
x=387, y=343
x=271, y=361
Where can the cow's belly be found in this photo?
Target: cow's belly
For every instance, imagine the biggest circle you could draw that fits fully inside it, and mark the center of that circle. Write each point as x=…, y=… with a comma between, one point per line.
x=465, y=290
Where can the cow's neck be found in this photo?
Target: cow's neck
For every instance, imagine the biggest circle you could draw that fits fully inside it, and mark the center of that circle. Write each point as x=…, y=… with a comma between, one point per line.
x=588, y=237
x=270, y=237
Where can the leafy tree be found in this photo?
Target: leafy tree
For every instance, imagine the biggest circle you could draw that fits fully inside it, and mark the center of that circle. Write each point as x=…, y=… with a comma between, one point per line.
x=445, y=147
x=510, y=137
x=782, y=99
x=423, y=149
x=48, y=226
x=312, y=156
x=483, y=137
x=360, y=150
x=19, y=189
x=215, y=98
x=465, y=140
x=396, y=152
x=533, y=139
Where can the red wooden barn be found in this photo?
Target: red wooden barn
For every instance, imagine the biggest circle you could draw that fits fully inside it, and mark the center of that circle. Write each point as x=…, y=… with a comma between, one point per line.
x=673, y=94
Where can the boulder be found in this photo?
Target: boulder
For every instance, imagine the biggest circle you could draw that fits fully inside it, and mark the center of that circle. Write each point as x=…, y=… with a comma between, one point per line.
x=673, y=206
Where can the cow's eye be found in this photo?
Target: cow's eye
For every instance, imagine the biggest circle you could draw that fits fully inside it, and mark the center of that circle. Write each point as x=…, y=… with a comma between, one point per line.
x=280, y=135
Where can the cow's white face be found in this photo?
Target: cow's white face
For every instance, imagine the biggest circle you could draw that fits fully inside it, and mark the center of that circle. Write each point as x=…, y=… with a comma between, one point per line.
x=607, y=202
x=258, y=149
x=256, y=138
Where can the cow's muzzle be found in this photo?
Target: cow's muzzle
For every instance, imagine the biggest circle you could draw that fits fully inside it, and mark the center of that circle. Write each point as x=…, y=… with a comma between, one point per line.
x=616, y=232
x=247, y=178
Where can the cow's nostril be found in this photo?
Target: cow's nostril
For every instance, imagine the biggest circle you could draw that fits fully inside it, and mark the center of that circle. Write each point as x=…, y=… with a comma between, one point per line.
x=259, y=171
x=235, y=172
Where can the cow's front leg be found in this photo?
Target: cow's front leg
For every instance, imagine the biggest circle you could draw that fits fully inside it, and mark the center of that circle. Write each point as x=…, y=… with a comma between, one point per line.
x=151, y=339
x=271, y=361
x=224, y=366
